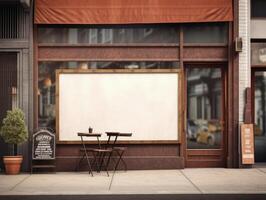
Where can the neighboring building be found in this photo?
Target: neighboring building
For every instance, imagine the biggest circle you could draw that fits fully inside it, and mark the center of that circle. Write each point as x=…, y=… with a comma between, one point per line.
x=194, y=41
x=16, y=61
x=252, y=66
x=258, y=75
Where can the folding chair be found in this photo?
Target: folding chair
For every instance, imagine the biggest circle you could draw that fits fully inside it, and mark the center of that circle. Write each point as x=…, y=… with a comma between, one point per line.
x=98, y=153
x=119, y=150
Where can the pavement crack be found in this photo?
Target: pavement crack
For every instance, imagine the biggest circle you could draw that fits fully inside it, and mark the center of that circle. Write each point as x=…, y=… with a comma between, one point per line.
x=19, y=182
x=111, y=182
x=191, y=181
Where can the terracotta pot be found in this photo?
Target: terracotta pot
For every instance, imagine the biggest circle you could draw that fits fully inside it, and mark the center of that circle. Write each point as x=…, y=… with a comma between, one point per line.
x=12, y=164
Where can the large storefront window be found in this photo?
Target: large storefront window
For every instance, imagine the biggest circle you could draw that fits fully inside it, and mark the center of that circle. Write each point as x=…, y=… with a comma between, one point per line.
x=260, y=116
x=112, y=35
x=193, y=33
x=204, y=114
x=47, y=81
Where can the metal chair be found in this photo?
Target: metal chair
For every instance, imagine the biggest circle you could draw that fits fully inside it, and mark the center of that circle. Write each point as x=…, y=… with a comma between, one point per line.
x=98, y=153
x=119, y=150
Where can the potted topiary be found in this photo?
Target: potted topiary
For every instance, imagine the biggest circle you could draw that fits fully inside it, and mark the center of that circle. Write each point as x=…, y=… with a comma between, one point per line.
x=14, y=131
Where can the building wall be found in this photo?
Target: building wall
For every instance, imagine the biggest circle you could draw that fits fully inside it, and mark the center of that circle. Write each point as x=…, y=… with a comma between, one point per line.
x=244, y=56
x=16, y=36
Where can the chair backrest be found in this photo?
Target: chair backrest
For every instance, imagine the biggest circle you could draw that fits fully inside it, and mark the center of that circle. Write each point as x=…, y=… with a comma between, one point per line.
x=113, y=137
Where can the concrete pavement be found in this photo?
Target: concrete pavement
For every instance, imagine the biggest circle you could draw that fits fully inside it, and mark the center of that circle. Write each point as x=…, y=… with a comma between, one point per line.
x=186, y=181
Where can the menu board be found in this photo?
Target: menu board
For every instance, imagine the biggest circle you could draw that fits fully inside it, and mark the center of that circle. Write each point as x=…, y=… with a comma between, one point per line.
x=43, y=146
x=247, y=143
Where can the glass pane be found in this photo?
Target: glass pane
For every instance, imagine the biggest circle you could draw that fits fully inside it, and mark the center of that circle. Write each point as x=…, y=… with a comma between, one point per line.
x=260, y=117
x=258, y=53
x=204, y=104
x=47, y=81
x=258, y=8
x=112, y=35
x=206, y=33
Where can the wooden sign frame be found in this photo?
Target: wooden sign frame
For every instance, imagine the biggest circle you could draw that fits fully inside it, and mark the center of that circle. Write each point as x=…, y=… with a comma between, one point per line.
x=49, y=140
x=247, y=143
x=108, y=71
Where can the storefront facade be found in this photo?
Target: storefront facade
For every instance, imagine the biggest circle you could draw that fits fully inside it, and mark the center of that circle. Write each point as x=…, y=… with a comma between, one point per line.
x=198, y=48
x=193, y=44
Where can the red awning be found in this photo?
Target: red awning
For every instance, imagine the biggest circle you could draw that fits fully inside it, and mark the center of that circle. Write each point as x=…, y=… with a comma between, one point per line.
x=131, y=11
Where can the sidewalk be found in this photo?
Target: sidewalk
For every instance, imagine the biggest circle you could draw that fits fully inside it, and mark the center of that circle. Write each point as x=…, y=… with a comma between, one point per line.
x=187, y=181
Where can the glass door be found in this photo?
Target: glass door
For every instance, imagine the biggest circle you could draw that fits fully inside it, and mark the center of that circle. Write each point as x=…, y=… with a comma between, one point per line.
x=204, y=131
x=260, y=116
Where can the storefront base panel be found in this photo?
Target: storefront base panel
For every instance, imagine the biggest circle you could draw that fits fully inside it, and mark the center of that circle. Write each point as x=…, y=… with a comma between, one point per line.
x=137, y=157
x=146, y=163
x=206, y=163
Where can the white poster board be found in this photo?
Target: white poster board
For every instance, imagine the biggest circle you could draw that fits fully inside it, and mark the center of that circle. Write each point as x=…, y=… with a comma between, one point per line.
x=145, y=104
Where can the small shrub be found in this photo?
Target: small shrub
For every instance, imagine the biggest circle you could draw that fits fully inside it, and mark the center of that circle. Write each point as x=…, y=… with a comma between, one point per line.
x=14, y=130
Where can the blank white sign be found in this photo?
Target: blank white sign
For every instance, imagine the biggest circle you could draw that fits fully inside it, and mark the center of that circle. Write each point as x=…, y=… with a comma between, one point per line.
x=140, y=103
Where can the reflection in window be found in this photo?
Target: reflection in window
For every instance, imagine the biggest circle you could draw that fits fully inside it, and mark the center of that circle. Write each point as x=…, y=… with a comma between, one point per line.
x=204, y=108
x=128, y=34
x=47, y=81
x=258, y=53
x=260, y=116
x=206, y=33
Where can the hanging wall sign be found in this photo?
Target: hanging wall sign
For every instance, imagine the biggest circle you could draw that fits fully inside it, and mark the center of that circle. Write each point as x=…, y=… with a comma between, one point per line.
x=247, y=143
x=43, y=145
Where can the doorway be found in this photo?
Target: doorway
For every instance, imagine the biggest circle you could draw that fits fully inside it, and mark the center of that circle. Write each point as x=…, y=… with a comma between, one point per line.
x=259, y=114
x=205, y=136
x=8, y=85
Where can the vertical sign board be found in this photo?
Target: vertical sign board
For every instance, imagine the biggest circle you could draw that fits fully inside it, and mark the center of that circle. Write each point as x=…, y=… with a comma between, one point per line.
x=43, y=146
x=247, y=143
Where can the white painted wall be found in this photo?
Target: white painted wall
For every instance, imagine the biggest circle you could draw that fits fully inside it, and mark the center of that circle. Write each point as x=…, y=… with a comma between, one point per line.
x=244, y=56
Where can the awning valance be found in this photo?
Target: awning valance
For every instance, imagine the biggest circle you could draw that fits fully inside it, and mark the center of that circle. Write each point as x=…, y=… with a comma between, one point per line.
x=131, y=11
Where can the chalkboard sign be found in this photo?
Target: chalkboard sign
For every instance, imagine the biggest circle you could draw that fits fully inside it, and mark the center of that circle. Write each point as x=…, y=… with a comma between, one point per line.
x=43, y=146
